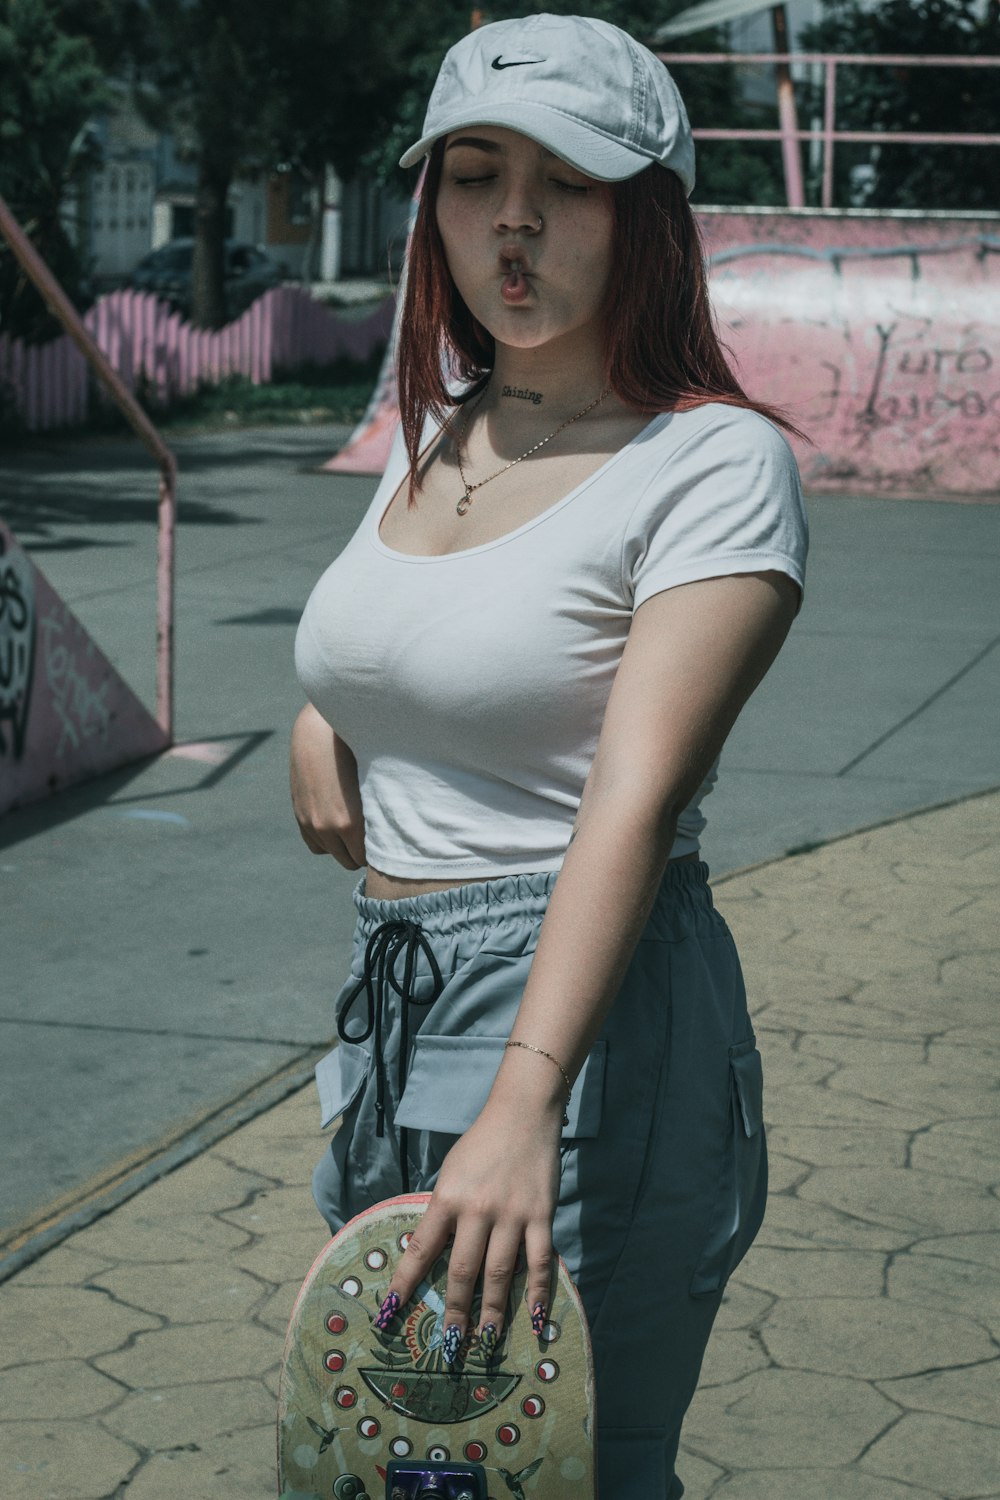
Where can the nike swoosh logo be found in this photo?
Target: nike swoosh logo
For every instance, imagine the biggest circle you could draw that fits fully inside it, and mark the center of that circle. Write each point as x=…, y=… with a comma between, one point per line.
x=529, y=62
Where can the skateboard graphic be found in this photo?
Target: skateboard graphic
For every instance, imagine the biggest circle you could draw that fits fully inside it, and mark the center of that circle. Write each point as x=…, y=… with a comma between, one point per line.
x=370, y=1415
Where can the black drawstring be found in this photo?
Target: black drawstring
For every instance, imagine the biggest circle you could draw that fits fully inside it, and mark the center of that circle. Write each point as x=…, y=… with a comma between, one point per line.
x=380, y=960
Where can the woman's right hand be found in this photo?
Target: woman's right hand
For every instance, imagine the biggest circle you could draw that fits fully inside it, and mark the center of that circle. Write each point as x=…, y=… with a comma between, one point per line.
x=326, y=798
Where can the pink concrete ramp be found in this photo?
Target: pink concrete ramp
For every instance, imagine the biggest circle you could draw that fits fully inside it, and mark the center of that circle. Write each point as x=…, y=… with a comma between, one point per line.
x=880, y=334
x=65, y=714
x=367, y=449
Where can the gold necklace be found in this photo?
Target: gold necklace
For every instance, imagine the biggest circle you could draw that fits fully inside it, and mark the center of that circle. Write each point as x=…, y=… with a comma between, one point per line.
x=466, y=499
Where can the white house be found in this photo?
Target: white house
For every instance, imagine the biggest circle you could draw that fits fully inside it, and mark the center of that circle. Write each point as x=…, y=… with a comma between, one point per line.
x=144, y=196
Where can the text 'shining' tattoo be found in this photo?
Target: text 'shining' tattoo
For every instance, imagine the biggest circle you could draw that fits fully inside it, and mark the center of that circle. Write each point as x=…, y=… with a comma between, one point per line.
x=535, y=397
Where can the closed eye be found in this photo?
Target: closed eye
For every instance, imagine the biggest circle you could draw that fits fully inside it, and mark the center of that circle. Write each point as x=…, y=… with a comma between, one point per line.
x=564, y=187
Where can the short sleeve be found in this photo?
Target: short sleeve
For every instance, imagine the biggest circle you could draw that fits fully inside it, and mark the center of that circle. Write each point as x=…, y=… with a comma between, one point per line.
x=727, y=500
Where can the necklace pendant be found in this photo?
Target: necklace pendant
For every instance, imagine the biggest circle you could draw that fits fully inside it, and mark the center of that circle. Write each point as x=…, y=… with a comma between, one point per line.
x=464, y=503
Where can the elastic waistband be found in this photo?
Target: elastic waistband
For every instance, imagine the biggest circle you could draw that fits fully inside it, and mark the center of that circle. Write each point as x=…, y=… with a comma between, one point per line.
x=524, y=895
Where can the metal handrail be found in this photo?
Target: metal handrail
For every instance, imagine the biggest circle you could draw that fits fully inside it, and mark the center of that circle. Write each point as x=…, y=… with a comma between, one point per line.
x=62, y=307
x=790, y=134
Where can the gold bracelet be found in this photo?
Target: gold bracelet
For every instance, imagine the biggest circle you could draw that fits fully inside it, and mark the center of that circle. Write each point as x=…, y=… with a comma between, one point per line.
x=542, y=1053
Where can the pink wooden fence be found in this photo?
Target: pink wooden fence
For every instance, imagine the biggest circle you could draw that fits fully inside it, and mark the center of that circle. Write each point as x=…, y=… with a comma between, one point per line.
x=144, y=340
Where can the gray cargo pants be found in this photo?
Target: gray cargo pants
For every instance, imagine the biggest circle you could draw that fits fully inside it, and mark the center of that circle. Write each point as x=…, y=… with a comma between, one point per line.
x=664, y=1162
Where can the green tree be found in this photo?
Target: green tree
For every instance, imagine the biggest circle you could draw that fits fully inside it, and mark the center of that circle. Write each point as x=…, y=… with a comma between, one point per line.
x=116, y=29
x=245, y=84
x=51, y=84
x=916, y=99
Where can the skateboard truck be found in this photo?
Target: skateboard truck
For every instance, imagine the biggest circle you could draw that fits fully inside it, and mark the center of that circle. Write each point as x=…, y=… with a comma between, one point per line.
x=430, y=1479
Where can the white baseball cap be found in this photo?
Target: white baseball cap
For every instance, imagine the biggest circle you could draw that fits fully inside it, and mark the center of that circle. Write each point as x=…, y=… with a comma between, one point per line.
x=582, y=88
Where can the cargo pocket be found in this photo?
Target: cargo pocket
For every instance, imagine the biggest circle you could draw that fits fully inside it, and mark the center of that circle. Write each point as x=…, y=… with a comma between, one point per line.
x=448, y=1083
x=742, y=1194
x=340, y=1077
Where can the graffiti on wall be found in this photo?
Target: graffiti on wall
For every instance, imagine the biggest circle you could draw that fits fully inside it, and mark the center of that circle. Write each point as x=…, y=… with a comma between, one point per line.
x=65, y=713
x=79, y=701
x=879, y=335
x=963, y=369
x=883, y=345
x=17, y=647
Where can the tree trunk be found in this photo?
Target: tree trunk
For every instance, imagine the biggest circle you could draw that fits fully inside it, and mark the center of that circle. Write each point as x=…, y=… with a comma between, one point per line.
x=310, y=257
x=208, y=296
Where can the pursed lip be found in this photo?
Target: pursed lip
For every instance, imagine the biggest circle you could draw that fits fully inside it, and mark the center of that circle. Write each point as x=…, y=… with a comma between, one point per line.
x=508, y=254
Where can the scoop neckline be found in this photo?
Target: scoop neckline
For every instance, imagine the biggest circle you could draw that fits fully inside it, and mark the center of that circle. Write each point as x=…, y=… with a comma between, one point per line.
x=508, y=536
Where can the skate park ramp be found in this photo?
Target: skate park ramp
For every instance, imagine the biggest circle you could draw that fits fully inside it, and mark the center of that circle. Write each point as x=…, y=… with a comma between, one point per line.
x=877, y=331
x=65, y=713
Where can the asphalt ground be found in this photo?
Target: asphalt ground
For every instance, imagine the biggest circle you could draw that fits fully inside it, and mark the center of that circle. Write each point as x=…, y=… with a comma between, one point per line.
x=170, y=948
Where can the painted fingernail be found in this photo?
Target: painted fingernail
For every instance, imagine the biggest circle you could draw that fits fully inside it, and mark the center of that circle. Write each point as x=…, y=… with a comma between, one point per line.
x=388, y=1310
x=451, y=1343
x=538, y=1319
x=488, y=1339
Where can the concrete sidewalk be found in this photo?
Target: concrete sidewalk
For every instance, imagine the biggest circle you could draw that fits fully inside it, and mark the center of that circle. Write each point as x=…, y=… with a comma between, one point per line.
x=856, y=1355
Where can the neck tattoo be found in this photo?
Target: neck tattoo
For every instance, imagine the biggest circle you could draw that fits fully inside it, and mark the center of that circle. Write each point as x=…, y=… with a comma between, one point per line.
x=466, y=500
x=535, y=397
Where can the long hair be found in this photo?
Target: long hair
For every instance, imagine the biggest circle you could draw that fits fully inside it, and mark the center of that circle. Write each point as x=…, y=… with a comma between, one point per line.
x=662, y=352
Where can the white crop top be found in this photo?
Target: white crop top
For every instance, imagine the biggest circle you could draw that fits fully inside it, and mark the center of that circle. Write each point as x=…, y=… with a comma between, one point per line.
x=471, y=687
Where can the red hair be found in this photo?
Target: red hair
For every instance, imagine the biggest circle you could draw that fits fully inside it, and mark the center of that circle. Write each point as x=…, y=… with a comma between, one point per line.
x=663, y=352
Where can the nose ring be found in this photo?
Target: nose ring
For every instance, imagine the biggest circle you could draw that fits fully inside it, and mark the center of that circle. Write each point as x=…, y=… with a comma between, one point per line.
x=540, y=222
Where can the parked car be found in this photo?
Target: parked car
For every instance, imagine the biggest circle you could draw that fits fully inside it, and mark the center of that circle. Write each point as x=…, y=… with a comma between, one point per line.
x=249, y=272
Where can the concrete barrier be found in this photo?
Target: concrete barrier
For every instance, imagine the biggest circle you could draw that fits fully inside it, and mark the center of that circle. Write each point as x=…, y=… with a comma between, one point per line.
x=879, y=332
x=65, y=714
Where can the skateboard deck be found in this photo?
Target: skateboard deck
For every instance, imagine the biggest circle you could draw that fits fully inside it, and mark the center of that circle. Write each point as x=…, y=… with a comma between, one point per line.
x=369, y=1415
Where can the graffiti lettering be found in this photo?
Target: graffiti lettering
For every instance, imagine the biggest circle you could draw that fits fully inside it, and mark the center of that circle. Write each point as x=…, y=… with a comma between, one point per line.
x=970, y=404
x=82, y=710
x=868, y=418
x=911, y=323
x=17, y=647
x=967, y=361
x=895, y=409
x=830, y=395
x=13, y=605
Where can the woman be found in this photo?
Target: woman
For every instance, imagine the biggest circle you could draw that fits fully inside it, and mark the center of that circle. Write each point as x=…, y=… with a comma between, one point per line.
x=585, y=553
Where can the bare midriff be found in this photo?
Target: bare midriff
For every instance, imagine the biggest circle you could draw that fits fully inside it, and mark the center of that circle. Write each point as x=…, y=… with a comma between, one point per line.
x=391, y=887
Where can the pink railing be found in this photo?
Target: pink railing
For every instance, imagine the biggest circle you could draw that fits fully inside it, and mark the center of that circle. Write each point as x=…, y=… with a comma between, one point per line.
x=145, y=342
x=789, y=134
x=81, y=342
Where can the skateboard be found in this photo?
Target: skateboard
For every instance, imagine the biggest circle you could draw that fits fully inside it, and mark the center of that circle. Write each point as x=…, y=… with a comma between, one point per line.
x=369, y=1415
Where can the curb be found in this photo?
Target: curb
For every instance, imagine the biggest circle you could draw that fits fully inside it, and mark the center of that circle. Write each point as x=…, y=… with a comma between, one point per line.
x=31, y=1239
